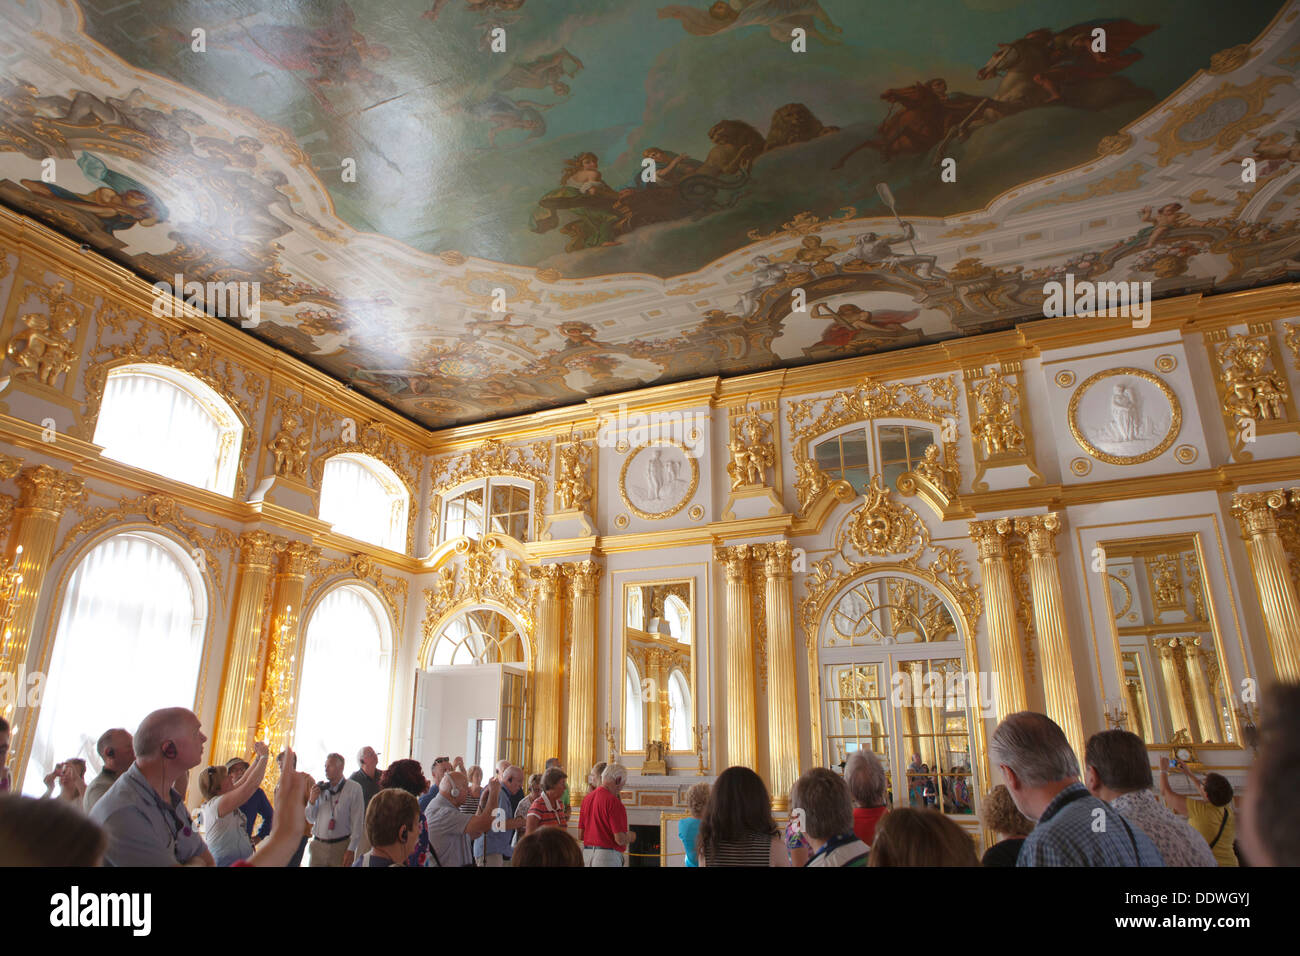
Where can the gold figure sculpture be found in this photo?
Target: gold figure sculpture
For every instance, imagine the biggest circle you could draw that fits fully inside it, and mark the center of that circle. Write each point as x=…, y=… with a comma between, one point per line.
x=936, y=469
x=752, y=451
x=572, y=491
x=1253, y=391
x=42, y=347
x=290, y=450
x=995, y=425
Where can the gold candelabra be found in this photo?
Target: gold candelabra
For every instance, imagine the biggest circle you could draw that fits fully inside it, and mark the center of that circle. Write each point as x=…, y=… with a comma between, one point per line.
x=1116, y=715
x=701, y=730
x=610, y=740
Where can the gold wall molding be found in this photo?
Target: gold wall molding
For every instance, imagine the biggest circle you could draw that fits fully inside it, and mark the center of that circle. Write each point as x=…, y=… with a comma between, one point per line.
x=493, y=458
x=1251, y=384
x=468, y=575
x=358, y=566
x=931, y=400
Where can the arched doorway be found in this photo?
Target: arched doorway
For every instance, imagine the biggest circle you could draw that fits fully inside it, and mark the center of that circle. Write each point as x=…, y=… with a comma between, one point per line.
x=895, y=680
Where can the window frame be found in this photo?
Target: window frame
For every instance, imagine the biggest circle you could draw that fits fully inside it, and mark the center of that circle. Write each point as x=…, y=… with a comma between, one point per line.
x=394, y=487
x=487, y=483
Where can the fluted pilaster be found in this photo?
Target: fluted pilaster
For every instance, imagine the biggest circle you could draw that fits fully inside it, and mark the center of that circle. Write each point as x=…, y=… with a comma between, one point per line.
x=546, y=672
x=245, y=648
x=782, y=712
x=742, y=718
x=1060, y=686
x=999, y=607
x=1277, y=592
x=580, y=753
x=1173, y=681
x=1202, y=696
x=279, y=696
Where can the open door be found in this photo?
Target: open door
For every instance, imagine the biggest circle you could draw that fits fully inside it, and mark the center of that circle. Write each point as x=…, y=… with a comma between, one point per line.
x=477, y=711
x=512, y=724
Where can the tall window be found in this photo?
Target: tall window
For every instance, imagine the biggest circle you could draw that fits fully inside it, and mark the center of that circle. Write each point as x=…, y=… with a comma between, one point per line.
x=494, y=505
x=170, y=423
x=633, y=709
x=129, y=641
x=344, y=698
x=845, y=456
x=679, y=712
x=901, y=449
x=895, y=682
x=364, y=499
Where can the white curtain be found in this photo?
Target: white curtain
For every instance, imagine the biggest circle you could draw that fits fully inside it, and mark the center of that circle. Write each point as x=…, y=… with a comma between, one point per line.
x=343, y=697
x=129, y=641
x=153, y=424
x=355, y=501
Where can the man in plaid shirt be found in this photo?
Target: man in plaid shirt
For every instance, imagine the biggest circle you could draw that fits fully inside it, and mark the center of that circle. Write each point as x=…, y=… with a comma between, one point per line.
x=1074, y=828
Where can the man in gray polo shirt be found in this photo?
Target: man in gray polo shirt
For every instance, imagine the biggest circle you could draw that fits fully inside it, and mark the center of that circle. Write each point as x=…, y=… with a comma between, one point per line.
x=146, y=820
x=116, y=751
x=451, y=831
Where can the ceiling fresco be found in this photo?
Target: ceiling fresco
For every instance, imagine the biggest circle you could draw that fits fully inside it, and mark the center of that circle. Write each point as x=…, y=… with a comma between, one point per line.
x=633, y=192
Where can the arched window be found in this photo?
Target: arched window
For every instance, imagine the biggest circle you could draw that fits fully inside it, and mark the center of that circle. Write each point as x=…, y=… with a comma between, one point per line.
x=895, y=681
x=343, y=699
x=901, y=449
x=165, y=421
x=679, y=712
x=635, y=608
x=633, y=709
x=129, y=641
x=679, y=618
x=845, y=456
x=364, y=499
x=479, y=636
x=497, y=505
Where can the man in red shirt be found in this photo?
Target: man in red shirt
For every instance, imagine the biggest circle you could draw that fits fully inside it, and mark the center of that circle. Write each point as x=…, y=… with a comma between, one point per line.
x=593, y=784
x=606, y=831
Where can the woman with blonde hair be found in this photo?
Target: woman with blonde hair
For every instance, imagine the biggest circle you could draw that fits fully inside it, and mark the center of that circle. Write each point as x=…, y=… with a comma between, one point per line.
x=1000, y=814
x=688, y=828
x=224, y=828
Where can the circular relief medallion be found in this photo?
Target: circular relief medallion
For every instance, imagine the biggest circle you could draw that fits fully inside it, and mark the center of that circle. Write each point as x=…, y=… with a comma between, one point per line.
x=1166, y=363
x=696, y=513
x=1124, y=416
x=1185, y=454
x=621, y=521
x=1065, y=378
x=1081, y=466
x=658, y=478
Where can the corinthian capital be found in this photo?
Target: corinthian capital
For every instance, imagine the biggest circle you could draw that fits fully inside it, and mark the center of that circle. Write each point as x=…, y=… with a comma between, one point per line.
x=1039, y=532
x=584, y=577
x=1254, y=510
x=48, y=489
x=257, y=548
x=990, y=537
x=548, y=578
x=776, y=557
x=735, y=557
x=297, y=557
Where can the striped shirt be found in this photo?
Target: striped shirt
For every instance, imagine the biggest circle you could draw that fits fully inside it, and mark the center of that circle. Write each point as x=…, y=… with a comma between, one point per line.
x=756, y=850
x=547, y=815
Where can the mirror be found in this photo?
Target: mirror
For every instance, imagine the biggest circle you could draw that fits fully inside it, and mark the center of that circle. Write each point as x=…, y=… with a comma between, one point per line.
x=659, y=667
x=1169, y=651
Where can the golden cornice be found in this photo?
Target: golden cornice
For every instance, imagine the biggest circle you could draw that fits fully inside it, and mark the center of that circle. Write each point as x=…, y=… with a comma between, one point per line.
x=567, y=547
x=691, y=394
x=722, y=531
x=464, y=544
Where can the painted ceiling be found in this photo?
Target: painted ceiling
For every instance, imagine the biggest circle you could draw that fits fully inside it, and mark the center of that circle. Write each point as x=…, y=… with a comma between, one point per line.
x=633, y=192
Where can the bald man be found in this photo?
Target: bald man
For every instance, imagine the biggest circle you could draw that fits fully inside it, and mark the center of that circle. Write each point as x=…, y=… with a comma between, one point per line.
x=145, y=817
x=451, y=832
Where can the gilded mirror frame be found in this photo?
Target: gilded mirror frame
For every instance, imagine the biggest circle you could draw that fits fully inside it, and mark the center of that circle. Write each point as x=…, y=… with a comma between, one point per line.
x=1181, y=540
x=694, y=679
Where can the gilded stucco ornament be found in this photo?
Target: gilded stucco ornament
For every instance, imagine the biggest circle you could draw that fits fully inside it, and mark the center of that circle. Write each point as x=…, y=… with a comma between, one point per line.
x=658, y=478
x=1135, y=428
x=880, y=526
x=751, y=449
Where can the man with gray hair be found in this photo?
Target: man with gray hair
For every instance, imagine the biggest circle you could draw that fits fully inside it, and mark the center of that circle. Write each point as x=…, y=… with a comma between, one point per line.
x=821, y=807
x=1074, y=828
x=494, y=846
x=115, y=749
x=584, y=809
x=865, y=776
x=607, y=831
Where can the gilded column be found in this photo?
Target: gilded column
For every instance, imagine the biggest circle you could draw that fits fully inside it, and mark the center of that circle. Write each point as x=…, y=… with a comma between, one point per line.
x=1273, y=584
x=1194, y=660
x=1170, y=671
x=237, y=711
x=546, y=669
x=580, y=755
x=742, y=716
x=44, y=493
x=999, y=604
x=782, y=709
x=279, y=695
x=1059, y=682
x=1137, y=720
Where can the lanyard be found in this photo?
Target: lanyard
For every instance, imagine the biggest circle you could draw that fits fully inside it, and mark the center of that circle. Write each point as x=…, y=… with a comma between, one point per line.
x=834, y=843
x=169, y=813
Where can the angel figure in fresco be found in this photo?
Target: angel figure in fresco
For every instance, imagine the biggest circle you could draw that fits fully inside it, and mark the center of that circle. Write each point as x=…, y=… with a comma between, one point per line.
x=549, y=70
x=118, y=203
x=584, y=194
x=1273, y=152
x=849, y=321
x=507, y=114
x=779, y=16
x=1169, y=216
x=335, y=54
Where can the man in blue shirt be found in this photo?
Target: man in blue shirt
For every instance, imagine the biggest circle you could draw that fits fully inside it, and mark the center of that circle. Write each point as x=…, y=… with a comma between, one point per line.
x=494, y=846
x=1074, y=828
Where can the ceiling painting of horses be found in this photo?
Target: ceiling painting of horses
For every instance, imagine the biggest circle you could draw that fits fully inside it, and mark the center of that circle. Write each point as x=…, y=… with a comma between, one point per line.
x=476, y=208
